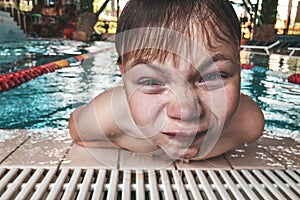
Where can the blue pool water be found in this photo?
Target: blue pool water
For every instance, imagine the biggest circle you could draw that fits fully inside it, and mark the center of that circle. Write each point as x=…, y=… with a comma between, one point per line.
x=279, y=100
x=47, y=101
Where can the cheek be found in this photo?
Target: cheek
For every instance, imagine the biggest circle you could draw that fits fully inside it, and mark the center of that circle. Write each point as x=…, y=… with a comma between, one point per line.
x=137, y=105
x=143, y=108
x=222, y=103
x=232, y=101
x=148, y=113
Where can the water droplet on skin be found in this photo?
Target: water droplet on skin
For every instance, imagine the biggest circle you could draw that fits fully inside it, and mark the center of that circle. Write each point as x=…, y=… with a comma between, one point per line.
x=240, y=150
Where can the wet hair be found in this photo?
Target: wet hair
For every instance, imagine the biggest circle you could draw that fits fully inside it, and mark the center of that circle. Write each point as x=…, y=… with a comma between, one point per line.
x=150, y=29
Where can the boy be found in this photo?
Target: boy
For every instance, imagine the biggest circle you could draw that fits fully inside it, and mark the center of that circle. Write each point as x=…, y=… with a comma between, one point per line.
x=181, y=94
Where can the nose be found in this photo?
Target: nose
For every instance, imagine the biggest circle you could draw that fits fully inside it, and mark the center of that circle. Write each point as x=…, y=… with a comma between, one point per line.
x=185, y=107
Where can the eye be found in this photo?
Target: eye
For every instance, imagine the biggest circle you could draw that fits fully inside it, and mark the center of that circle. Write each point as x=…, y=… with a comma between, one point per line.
x=149, y=85
x=150, y=82
x=212, y=81
x=214, y=76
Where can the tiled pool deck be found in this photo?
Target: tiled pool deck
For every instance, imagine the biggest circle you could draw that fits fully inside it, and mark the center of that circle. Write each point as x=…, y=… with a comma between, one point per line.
x=50, y=148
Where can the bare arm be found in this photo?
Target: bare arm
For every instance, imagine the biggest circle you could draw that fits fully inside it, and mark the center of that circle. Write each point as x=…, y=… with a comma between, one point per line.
x=106, y=122
x=92, y=125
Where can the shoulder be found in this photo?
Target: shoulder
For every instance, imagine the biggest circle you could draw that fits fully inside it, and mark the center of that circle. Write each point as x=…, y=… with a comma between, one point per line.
x=248, y=119
x=249, y=109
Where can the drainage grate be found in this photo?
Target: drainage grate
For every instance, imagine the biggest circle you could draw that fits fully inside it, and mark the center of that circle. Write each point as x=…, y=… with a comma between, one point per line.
x=109, y=184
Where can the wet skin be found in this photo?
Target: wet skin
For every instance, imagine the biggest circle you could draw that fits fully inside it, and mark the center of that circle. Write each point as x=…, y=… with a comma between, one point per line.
x=190, y=109
x=180, y=105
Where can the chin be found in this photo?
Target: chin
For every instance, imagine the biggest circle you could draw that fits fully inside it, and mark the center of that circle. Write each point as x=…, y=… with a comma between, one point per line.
x=190, y=154
x=181, y=153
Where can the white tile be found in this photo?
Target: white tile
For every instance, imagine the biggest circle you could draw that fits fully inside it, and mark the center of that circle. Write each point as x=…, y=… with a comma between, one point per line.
x=285, y=150
x=44, y=148
x=84, y=157
x=10, y=140
x=252, y=156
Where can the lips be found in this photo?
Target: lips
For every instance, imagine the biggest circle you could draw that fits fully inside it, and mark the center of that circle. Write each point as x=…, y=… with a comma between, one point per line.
x=185, y=136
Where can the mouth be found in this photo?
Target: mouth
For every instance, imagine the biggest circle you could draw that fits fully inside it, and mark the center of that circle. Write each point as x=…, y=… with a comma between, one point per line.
x=185, y=136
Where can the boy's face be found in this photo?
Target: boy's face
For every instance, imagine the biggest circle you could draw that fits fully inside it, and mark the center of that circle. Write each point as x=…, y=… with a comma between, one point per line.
x=184, y=107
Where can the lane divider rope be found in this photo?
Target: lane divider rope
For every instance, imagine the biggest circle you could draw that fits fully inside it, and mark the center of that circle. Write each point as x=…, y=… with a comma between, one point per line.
x=15, y=79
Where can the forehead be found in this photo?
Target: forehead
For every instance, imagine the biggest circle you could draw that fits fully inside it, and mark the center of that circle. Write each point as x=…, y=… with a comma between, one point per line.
x=149, y=44
x=185, y=58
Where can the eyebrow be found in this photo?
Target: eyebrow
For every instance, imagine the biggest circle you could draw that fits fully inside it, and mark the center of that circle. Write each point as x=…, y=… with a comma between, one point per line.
x=150, y=65
x=220, y=56
x=155, y=67
x=215, y=57
x=139, y=61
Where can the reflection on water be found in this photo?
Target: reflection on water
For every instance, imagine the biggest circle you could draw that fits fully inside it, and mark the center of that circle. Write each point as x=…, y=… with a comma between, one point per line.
x=279, y=100
x=267, y=84
x=15, y=56
x=275, y=62
x=48, y=100
x=284, y=63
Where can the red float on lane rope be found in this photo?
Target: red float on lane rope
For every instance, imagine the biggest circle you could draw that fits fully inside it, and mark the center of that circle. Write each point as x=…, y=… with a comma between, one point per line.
x=247, y=66
x=294, y=78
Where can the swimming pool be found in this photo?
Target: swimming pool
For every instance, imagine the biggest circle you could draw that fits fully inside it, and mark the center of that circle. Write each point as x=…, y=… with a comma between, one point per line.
x=47, y=101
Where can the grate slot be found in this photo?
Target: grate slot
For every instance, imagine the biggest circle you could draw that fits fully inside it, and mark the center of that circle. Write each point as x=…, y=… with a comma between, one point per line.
x=86, y=184
x=219, y=186
x=246, y=188
x=28, y=187
x=288, y=180
x=126, y=186
x=268, y=185
x=140, y=183
x=166, y=185
x=44, y=185
x=16, y=184
x=294, y=175
x=153, y=185
x=232, y=186
x=260, y=189
x=180, y=189
x=113, y=185
x=205, y=185
x=57, y=187
x=6, y=179
x=2, y=171
x=192, y=184
x=281, y=185
x=98, y=188
x=72, y=185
